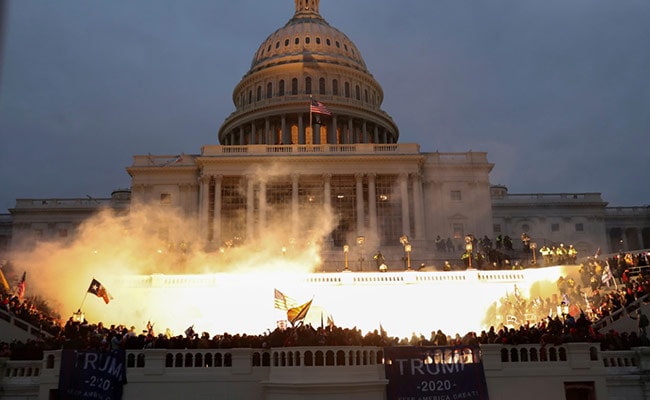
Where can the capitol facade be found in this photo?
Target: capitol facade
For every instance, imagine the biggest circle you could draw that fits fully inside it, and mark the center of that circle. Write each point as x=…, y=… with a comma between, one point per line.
x=310, y=155
x=309, y=145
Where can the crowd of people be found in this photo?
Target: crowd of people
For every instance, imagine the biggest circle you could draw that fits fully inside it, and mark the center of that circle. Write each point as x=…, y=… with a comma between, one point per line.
x=567, y=316
x=500, y=253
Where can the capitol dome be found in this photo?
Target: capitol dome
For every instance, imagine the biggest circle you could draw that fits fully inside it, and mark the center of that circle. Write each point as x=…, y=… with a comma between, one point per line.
x=305, y=62
x=307, y=34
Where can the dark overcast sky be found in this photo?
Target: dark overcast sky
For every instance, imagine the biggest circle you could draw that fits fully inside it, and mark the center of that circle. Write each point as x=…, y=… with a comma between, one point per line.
x=557, y=92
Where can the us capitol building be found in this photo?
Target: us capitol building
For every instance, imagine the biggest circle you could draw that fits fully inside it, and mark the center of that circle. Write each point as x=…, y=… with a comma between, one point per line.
x=310, y=154
x=278, y=163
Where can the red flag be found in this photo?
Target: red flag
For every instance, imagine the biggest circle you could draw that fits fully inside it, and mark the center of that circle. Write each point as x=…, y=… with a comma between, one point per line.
x=99, y=290
x=20, y=289
x=297, y=314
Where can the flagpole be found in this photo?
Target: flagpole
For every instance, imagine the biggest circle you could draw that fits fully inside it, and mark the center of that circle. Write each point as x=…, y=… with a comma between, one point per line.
x=83, y=301
x=311, y=100
x=85, y=295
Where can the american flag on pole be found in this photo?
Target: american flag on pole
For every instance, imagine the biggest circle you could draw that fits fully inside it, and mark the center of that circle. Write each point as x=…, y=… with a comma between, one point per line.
x=22, y=285
x=318, y=107
x=282, y=301
x=607, y=275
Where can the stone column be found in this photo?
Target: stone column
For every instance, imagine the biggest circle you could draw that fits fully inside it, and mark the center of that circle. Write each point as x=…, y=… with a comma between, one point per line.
x=204, y=199
x=267, y=133
x=216, y=219
x=316, y=133
x=331, y=133
x=250, y=207
x=286, y=138
x=360, y=212
x=182, y=197
x=301, y=130
x=364, y=138
x=294, y=204
x=418, y=206
x=351, y=138
x=253, y=134
x=376, y=134
x=327, y=192
x=242, y=138
x=372, y=203
x=404, y=194
x=261, y=225
x=137, y=193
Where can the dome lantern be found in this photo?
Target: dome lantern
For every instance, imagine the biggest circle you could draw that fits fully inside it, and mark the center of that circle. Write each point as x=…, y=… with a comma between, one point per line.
x=306, y=7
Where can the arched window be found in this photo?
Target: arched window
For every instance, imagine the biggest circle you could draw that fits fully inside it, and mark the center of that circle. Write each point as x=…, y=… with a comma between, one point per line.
x=321, y=86
x=259, y=94
x=281, y=87
x=294, y=86
x=328, y=42
x=308, y=85
x=335, y=87
x=317, y=40
x=297, y=41
x=347, y=89
x=286, y=42
x=307, y=40
x=269, y=90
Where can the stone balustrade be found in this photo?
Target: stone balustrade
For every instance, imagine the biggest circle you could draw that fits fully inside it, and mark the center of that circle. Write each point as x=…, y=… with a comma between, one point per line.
x=352, y=372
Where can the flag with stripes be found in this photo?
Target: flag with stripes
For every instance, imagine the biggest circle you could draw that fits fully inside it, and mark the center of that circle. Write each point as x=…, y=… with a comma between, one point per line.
x=607, y=275
x=22, y=285
x=282, y=301
x=318, y=107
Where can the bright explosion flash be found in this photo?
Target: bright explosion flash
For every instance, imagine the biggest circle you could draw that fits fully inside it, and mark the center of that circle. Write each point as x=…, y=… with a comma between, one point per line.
x=163, y=277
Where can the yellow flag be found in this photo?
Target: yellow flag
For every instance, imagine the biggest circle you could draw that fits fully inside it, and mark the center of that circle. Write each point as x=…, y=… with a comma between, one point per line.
x=297, y=314
x=3, y=281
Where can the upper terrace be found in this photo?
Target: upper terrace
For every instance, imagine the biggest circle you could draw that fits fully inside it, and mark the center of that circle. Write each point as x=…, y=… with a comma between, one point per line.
x=407, y=149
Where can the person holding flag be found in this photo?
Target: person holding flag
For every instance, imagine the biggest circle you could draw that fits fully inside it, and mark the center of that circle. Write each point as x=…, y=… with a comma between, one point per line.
x=608, y=276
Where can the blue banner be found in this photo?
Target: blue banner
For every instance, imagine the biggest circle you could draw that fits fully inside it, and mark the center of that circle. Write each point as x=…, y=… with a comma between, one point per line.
x=88, y=374
x=435, y=373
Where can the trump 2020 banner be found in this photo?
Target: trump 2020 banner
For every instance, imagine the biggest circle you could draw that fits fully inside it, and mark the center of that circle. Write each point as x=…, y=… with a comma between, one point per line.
x=434, y=373
x=89, y=374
